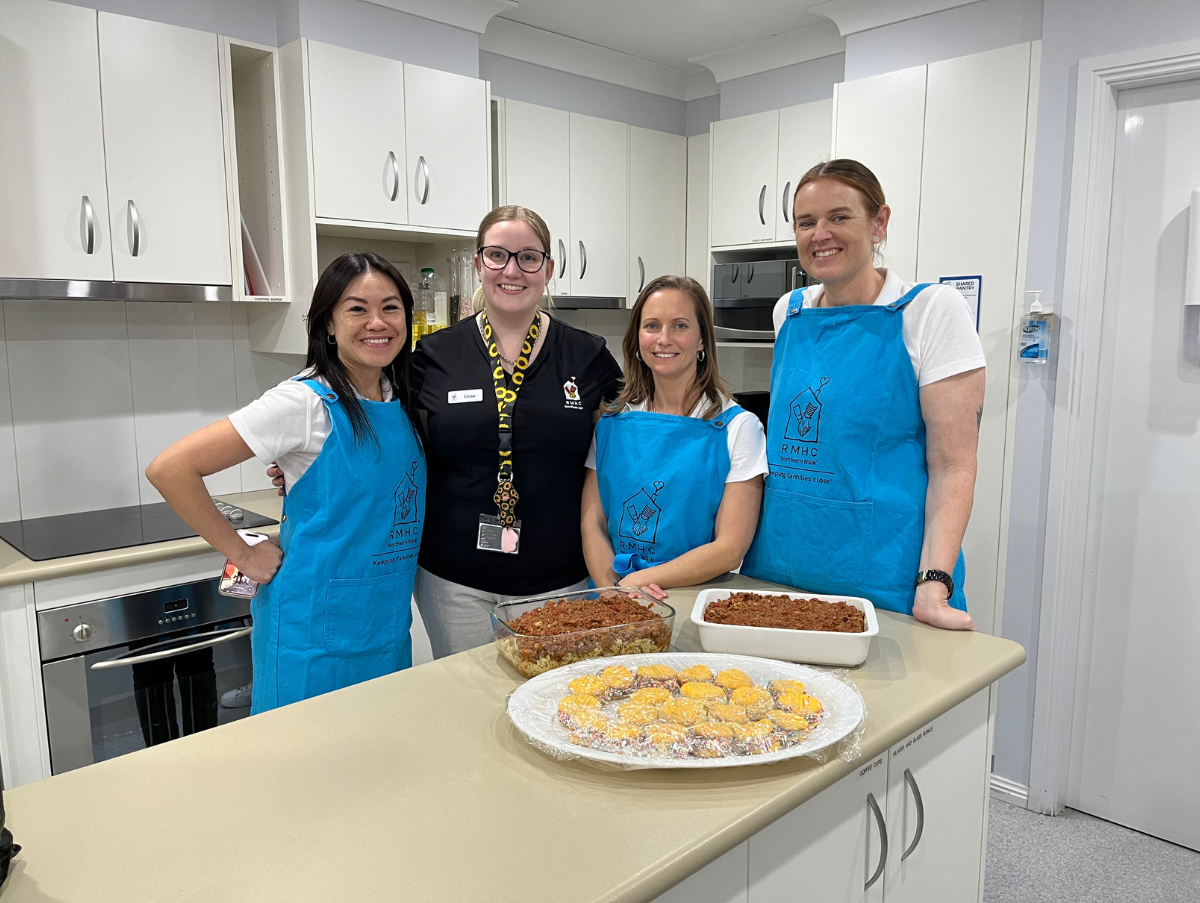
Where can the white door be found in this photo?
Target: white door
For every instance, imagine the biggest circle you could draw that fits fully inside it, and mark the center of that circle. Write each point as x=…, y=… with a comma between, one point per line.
x=448, y=148
x=1134, y=763
x=745, y=160
x=165, y=149
x=657, y=206
x=537, y=175
x=805, y=139
x=828, y=849
x=53, y=196
x=357, y=107
x=599, y=207
x=881, y=123
x=721, y=881
x=979, y=168
x=936, y=805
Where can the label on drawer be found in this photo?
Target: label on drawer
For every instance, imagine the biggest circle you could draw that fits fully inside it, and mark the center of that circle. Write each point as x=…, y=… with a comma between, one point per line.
x=913, y=740
x=862, y=772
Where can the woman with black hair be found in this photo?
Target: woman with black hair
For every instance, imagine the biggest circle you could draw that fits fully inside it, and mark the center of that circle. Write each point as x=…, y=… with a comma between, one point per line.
x=334, y=607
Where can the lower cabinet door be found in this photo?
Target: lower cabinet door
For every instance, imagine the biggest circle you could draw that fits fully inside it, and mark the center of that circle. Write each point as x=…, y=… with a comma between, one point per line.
x=828, y=849
x=721, y=881
x=937, y=791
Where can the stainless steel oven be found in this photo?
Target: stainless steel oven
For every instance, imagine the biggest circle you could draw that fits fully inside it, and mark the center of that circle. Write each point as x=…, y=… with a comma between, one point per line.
x=744, y=294
x=125, y=673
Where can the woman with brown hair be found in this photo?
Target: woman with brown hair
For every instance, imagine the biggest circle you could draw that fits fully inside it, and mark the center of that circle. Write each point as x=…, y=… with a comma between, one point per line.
x=675, y=484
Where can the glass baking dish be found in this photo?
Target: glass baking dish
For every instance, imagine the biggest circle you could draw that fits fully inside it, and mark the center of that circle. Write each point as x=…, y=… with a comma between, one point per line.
x=533, y=655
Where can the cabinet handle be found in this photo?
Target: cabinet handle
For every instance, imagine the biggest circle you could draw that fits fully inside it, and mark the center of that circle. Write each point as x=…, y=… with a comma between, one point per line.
x=87, y=226
x=135, y=230
x=562, y=260
x=642, y=271
x=762, y=199
x=736, y=272
x=423, y=170
x=750, y=275
x=395, y=168
x=582, y=260
x=787, y=214
x=916, y=792
x=883, y=841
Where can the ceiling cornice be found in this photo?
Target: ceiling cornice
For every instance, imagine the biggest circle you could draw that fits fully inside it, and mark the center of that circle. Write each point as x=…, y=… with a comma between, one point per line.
x=786, y=49
x=470, y=15
x=545, y=48
x=853, y=16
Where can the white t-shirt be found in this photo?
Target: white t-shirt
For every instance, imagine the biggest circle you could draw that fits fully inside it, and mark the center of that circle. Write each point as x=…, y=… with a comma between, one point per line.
x=288, y=424
x=744, y=435
x=939, y=327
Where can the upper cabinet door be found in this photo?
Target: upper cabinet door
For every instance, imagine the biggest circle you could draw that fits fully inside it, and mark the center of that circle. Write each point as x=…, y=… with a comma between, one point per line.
x=357, y=107
x=164, y=140
x=805, y=139
x=446, y=117
x=53, y=196
x=881, y=123
x=744, y=163
x=657, y=206
x=537, y=175
x=599, y=208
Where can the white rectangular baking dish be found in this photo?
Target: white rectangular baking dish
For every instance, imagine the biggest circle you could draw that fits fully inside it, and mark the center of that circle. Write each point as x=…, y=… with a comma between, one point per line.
x=816, y=647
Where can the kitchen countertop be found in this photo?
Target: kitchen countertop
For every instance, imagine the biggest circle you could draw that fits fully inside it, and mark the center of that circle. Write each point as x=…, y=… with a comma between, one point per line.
x=416, y=787
x=15, y=568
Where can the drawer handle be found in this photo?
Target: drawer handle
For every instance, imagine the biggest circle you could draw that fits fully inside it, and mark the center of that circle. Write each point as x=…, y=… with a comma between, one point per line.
x=135, y=230
x=562, y=260
x=762, y=199
x=787, y=214
x=87, y=226
x=883, y=841
x=642, y=271
x=582, y=260
x=395, y=170
x=916, y=792
x=424, y=171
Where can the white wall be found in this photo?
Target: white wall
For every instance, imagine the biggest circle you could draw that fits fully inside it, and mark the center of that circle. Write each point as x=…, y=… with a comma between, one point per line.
x=91, y=391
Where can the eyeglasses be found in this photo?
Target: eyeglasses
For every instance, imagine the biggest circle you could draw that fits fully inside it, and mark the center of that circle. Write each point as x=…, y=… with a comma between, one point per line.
x=529, y=260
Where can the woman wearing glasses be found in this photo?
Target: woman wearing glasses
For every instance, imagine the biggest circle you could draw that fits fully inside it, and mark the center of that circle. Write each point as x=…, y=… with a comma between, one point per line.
x=508, y=399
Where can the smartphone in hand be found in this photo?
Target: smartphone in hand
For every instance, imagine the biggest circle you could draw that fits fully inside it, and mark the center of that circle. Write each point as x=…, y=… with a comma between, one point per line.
x=234, y=582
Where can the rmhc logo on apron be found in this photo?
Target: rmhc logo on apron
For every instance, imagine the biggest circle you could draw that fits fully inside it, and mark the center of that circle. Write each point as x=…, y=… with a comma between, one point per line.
x=804, y=420
x=640, y=514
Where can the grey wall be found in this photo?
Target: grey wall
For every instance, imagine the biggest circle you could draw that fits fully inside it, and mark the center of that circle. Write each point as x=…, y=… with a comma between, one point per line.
x=701, y=112
x=578, y=94
x=974, y=28
x=786, y=87
x=249, y=20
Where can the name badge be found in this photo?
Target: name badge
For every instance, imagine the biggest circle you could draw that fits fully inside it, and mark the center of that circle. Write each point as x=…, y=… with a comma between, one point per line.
x=461, y=396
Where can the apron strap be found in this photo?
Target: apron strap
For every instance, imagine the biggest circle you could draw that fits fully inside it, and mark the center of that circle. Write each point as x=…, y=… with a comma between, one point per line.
x=323, y=391
x=725, y=418
x=902, y=302
x=795, y=302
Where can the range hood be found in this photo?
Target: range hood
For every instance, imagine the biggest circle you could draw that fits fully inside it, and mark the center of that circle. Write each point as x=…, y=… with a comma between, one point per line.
x=84, y=290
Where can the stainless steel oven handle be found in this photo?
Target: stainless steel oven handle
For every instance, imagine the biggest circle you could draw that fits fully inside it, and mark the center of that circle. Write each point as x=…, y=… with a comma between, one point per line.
x=133, y=658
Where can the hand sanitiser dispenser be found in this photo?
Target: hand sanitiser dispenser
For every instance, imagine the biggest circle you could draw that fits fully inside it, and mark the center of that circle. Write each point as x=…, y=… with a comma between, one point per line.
x=1035, y=332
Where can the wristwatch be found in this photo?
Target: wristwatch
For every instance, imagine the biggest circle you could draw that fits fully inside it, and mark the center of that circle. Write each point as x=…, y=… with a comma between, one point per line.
x=940, y=576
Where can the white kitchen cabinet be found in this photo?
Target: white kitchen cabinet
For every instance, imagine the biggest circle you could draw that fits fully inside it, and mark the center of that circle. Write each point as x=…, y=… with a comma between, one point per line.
x=745, y=162
x=165, y=151
x=699, y=188
x=721, y=881
x=657, y=206
x=880, y=121
x=448, y=150
x=936, y=801
x=537, y=175
x=805, y=139
x=599, y=206
x=358, y=141
x=53, y=194
x=827, y=849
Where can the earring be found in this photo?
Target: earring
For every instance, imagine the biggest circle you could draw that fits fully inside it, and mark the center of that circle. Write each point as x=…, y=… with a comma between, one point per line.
x=638, y=355
x=330, y=339
x=701, y=355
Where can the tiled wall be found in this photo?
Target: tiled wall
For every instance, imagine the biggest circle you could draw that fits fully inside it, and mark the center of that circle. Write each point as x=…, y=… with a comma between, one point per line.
x=91, y=391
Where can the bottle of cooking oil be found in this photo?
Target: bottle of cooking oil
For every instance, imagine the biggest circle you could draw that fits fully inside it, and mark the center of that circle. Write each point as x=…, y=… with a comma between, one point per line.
x=429, y=290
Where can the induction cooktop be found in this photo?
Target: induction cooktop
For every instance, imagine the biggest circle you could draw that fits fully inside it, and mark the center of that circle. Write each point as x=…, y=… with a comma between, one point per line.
x=43, y=538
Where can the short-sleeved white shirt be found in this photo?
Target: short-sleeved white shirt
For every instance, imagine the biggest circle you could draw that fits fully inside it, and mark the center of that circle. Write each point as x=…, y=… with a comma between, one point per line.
x=939, y=327
x=745, y=437
x=288, y=424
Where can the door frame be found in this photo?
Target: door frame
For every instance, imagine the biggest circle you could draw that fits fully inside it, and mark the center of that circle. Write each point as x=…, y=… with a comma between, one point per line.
x=1068, y=574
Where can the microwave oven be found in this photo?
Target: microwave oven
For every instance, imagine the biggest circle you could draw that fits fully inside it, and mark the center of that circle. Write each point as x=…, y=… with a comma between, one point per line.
x=744, y=295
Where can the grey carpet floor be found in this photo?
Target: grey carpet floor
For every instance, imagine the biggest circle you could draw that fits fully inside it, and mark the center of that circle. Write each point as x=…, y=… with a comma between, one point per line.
x=1033, y=858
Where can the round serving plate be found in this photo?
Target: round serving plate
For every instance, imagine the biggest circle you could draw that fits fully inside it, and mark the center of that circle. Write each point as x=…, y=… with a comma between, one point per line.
x=533, y=707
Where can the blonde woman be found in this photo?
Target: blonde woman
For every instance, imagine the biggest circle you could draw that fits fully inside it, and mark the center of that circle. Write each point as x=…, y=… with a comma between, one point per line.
x=676, y=473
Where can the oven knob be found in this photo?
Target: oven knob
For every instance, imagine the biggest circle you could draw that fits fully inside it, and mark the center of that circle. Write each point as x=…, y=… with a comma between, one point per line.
x=82, y=633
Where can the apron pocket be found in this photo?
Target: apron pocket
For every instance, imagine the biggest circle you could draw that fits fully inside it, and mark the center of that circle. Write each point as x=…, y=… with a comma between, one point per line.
x=829, y=542
x=361, y=615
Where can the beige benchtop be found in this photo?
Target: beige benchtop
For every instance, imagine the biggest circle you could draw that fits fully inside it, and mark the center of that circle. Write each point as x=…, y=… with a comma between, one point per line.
x=15, y=568
x=416, y=787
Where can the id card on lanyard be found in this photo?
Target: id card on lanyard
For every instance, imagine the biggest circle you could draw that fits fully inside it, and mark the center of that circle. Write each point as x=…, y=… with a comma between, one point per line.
x=501, y=532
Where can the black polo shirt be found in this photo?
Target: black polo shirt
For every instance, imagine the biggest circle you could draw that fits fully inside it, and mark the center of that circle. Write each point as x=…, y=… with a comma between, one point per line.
x=552, y=431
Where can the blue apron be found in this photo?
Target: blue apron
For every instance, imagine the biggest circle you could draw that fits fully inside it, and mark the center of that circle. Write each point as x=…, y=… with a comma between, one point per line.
x=662, y=478
x=339, y=609
x=844, y=503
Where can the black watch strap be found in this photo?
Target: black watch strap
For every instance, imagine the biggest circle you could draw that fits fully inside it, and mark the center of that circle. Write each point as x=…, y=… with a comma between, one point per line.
x=940, y=576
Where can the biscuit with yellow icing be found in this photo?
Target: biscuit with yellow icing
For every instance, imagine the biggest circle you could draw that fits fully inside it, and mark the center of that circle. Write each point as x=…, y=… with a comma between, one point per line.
x=637, y=713
x=588, y=685
x=695, y=672
x=732, y=679
x=756, y=701
x=699, y=690
x=650, y=695
x=681, y=711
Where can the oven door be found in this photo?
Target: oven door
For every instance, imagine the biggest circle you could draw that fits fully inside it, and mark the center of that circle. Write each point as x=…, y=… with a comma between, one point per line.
x=112, y=701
